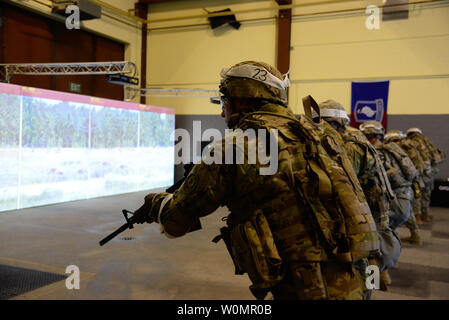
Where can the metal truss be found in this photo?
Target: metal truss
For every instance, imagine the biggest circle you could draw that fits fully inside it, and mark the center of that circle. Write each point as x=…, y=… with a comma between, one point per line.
x=131, y=93
x=78, y=68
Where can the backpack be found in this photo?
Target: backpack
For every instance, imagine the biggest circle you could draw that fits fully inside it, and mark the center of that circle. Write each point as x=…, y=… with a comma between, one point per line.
x=340, y=198
x=408, y=169
x=435, y=154
x=360, y=139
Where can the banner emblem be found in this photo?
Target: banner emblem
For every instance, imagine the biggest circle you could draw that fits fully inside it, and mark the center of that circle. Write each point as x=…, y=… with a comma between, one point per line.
x=369, y=102
x=369, y=110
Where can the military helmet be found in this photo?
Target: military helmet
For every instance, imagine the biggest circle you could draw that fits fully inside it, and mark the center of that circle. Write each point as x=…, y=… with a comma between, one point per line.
x=414, y=130
x=372, y=127
x=394, y=135
x=333, y=111
x=251, y=79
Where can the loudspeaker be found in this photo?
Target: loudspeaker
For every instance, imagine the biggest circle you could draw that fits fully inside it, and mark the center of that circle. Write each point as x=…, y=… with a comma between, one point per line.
x=88, y=10
x=216, y=22
x=395, y=10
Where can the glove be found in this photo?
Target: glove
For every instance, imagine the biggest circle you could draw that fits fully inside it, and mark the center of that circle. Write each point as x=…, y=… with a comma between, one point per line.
x=142, y=214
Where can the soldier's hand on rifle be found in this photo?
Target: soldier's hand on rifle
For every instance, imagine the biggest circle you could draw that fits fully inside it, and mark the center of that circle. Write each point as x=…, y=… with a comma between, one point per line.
x=142, y=214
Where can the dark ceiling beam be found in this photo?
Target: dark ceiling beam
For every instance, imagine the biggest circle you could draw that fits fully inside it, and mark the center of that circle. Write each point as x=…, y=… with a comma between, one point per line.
x=154, y=1
x=141, y=10
x=283, y=39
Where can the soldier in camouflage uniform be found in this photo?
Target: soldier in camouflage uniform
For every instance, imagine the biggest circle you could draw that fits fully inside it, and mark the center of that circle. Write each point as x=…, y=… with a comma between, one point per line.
x=373, y=179
x=432, y=157
x=307, y=256
x=400, y=170
x=397, y=137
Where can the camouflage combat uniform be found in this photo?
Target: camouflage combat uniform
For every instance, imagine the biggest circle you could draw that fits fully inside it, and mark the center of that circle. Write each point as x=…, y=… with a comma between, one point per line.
x=309, y=271
x=378, y=192
x=401, y=172
x=418, y=184
x=298, y=232
x=372, y=177
x=431, y=157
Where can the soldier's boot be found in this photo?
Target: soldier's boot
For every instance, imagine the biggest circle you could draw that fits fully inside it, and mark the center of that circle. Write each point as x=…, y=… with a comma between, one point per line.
x=418, y=219
x=426, y=217
x=385, y=280
x=414, y=239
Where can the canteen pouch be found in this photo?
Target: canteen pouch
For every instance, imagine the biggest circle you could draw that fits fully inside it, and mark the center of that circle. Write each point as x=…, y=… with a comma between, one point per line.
x=253, y=251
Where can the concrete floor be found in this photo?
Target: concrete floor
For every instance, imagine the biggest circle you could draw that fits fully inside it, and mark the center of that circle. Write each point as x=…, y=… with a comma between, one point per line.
x=151, y=266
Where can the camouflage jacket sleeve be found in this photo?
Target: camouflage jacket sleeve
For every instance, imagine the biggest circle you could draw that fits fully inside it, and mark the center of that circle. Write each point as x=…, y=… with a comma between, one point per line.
x=203, y=191
x=414, y=156
x=357, y=157
x=421, y=150
x=434, y=154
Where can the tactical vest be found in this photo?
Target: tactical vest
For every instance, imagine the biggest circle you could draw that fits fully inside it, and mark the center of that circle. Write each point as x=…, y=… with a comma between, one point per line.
x=372, y=177
x=414, y=155
x=393, y=167
x=319, y=212
x=435, y=155
x=421, y=147
x=405, y=163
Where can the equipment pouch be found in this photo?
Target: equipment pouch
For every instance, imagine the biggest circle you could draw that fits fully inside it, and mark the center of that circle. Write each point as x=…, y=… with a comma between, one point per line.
x=416, y=189
x=395, y=177
x=225, y=235
x=255, y=252
x=309, y=282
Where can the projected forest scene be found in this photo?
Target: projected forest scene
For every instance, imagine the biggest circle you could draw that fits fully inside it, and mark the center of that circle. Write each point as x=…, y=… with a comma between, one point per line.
x=55, y=151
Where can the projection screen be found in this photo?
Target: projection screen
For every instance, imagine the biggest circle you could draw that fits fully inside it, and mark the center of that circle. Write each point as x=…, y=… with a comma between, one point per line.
x=57, y=147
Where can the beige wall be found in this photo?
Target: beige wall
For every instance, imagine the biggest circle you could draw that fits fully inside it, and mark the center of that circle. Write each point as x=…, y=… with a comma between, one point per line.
x=328, y=52
x=192, y=57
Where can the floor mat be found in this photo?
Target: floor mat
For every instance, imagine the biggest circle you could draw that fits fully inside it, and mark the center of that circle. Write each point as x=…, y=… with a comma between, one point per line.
x=16, y=281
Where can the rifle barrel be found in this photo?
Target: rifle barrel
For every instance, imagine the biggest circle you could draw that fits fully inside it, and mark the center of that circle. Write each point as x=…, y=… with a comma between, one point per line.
x=114, y=234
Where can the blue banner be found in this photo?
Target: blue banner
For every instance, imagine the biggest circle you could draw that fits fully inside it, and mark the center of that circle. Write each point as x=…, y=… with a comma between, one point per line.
x=369, y=102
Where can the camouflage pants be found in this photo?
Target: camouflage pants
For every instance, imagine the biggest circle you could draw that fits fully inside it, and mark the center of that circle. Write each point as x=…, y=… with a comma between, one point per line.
x=425, y=199
x=320, y=280
x=417, y=205
x=401, y=209
x=426, y=191
x=411, y=223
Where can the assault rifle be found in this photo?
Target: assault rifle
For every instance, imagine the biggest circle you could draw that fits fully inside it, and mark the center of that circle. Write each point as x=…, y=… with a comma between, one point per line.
x=128, y=225
x=131, y=220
